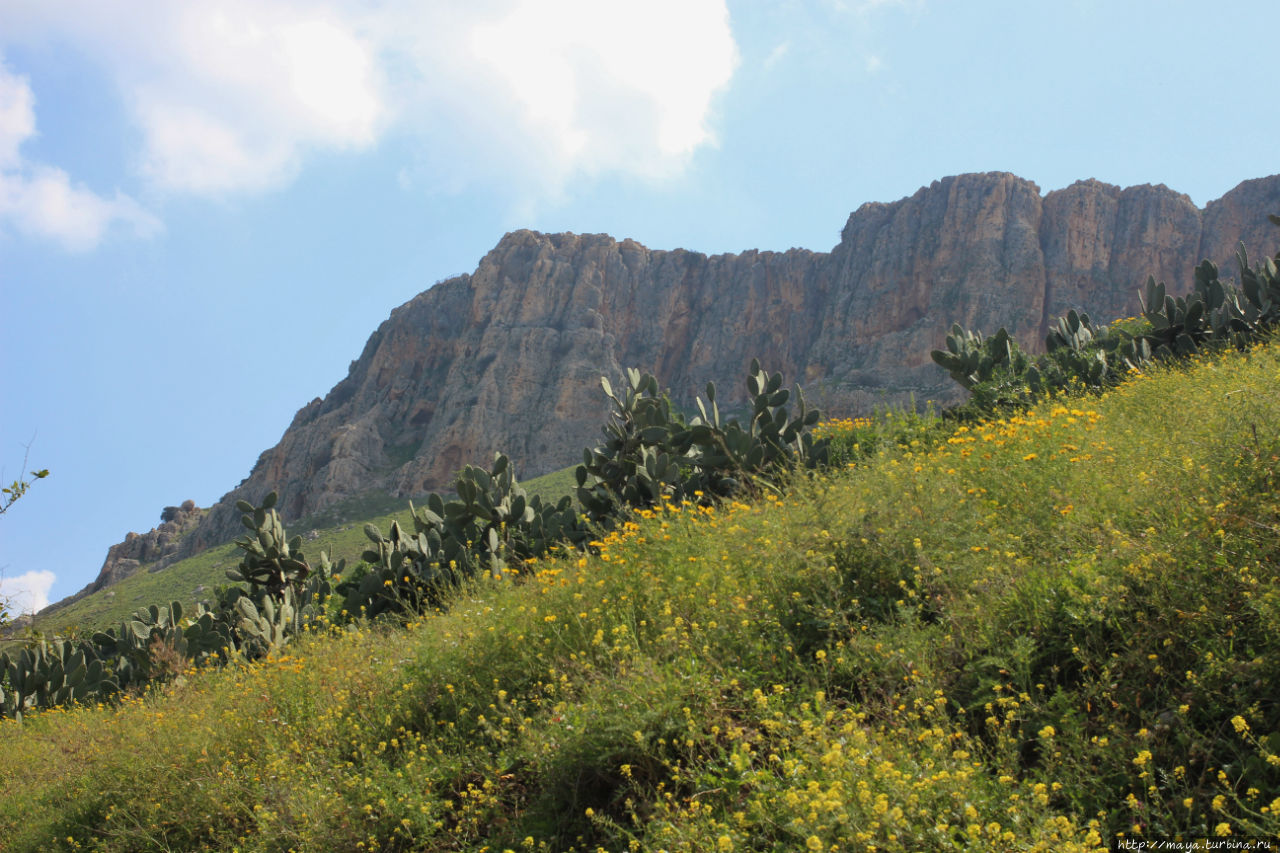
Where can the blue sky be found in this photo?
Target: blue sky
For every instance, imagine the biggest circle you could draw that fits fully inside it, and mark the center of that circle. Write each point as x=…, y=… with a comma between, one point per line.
x=206, y=208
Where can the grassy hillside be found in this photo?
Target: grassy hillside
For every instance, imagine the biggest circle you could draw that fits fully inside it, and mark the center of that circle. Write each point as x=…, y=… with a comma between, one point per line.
x=339, y=531
x=1037, y=633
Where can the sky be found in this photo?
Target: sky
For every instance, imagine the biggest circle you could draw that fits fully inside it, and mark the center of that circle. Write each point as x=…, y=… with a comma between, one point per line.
x=206, y=208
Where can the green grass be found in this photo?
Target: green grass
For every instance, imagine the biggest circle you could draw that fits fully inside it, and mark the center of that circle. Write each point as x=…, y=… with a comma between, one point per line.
x=1035, y=633
x=337, y=530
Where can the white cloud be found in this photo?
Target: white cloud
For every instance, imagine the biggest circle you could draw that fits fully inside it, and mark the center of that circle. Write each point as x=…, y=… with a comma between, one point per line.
x=248, y=89
x=40, y=200
x=17, y=116
x=234, y=95
x=27, y=593
x=229, y=95
x=611, y=86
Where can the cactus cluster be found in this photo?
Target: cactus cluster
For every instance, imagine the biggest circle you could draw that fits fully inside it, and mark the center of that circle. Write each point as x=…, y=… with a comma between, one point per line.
x=971, y=359
x=652, y=453
x=145, y=648
x=1077, y=352
x=267, y=623
x=271, y=560
x=1214, y=313
x=136, y=649
x=637, y=463
x=284, y=595
x=50, y=674
x=156, y=643
x=729, y=455
x=492, y=528
x=150, y=646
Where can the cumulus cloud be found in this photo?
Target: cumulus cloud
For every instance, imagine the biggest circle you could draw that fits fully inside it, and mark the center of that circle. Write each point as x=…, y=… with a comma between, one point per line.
x=234, y=95
x=247, y=90
x=17, y=116
x=27, y=593
x=40, y=200
x=611, y=86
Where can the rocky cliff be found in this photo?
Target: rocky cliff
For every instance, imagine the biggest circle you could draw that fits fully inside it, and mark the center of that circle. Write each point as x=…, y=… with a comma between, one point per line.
x=510, y=356
x=157, y=548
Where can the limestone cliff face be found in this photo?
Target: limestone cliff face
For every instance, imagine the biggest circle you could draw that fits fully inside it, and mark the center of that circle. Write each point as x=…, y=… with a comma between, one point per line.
x=510, y=356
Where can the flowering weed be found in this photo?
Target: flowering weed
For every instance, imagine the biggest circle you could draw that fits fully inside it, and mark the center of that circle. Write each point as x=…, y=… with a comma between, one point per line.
x=1035, y=632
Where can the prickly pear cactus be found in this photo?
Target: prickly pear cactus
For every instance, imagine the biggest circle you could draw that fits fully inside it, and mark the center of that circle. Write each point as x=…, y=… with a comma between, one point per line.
x=271, y=560
x=47, y=675
x=1079, y=354
x=637, y=464
x=971, y=359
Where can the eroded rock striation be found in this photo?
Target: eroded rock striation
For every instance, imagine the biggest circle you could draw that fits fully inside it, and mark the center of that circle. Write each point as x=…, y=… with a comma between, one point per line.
x=509, y=357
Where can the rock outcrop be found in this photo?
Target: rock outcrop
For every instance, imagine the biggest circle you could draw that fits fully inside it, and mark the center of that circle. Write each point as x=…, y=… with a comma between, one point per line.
x=156, y=549
x=510, y=356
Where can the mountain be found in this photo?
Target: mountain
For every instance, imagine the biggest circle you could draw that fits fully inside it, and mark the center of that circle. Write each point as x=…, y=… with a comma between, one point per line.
x=509, y=357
